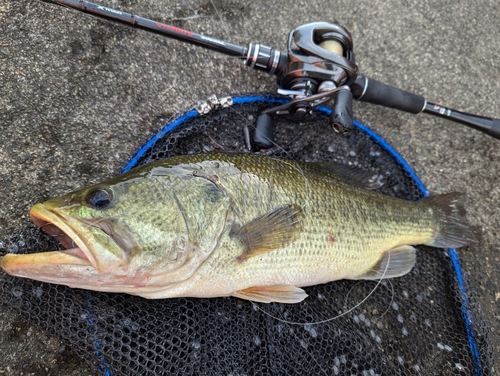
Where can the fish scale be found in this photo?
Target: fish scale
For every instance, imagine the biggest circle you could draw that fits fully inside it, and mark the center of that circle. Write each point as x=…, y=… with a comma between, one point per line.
x=242, y=225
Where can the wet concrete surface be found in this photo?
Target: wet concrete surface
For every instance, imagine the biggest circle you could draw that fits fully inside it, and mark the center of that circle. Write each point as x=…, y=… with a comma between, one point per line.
x=79, y=95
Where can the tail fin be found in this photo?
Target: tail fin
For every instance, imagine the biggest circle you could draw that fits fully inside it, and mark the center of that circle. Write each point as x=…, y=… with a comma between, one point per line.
x=454, y=230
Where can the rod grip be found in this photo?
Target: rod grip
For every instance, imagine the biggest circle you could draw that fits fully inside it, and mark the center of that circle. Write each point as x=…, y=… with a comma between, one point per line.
x=372, y=91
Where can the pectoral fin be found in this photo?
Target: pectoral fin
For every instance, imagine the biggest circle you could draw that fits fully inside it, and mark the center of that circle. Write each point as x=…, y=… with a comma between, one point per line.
x=268, y=294
x=393, y=263
x=270, y=231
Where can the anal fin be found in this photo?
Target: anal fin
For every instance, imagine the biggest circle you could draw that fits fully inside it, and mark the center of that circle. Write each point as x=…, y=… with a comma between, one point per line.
x=268, y=294
x=395, y=262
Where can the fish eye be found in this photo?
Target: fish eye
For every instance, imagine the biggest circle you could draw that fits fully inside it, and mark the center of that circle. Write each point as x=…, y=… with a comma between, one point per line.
x=99, y=199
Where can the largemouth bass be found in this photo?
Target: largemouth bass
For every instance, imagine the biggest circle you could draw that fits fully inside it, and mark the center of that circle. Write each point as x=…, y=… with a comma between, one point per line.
x=241, y=225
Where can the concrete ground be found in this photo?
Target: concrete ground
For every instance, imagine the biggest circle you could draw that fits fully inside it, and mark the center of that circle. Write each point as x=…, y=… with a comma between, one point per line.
x=79, y=95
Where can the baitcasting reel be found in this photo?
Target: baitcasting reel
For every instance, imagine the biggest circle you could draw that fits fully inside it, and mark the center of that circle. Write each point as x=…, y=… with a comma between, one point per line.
x=318, y=67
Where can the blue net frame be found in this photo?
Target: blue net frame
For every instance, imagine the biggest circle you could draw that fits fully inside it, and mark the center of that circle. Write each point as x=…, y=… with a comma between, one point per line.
x=238, y=100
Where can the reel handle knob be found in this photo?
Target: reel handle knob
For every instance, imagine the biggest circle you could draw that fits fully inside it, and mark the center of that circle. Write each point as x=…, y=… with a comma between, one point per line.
x=263, y=136
x=341, y=117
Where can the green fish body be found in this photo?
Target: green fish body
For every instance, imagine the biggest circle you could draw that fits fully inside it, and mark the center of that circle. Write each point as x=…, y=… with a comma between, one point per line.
x=242, y=225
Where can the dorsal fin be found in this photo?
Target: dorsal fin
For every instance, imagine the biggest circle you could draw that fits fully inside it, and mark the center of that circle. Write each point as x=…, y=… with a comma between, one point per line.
x=354, y=175
x=270, y=231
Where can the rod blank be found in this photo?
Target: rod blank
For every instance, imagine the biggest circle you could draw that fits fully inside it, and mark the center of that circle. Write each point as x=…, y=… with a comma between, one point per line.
x=490, y=126
x=155, y=27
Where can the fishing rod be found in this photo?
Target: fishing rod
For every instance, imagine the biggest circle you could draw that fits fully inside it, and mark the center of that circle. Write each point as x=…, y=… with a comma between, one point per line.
x=317, y=67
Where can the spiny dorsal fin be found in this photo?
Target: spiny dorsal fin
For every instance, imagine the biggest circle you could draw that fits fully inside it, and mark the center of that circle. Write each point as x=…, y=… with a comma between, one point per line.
x=268, y=294
x=270, y=231
x=393, y=263
x=354, y=175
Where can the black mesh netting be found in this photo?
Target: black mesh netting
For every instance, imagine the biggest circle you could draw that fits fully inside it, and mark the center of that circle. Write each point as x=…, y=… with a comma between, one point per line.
x=422, y=323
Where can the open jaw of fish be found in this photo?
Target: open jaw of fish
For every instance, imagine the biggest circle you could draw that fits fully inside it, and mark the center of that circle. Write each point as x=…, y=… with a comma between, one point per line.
x=83, y=254
x=99, y=256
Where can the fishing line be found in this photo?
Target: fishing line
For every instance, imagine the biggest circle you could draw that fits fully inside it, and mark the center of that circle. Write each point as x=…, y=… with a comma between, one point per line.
x=280, y=148
x=336, y=317
x=276, y=146
x=226, y=31
x=252, y=125
x=361, y=282
x=224, y=26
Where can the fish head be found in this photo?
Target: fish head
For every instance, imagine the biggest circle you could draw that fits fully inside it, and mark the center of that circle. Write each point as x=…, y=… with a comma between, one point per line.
x=136, y=233
x=88, y=227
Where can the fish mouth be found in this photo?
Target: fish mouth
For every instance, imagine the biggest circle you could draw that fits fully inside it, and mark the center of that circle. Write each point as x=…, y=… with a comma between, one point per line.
x=55, y=225
x=55, y=266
